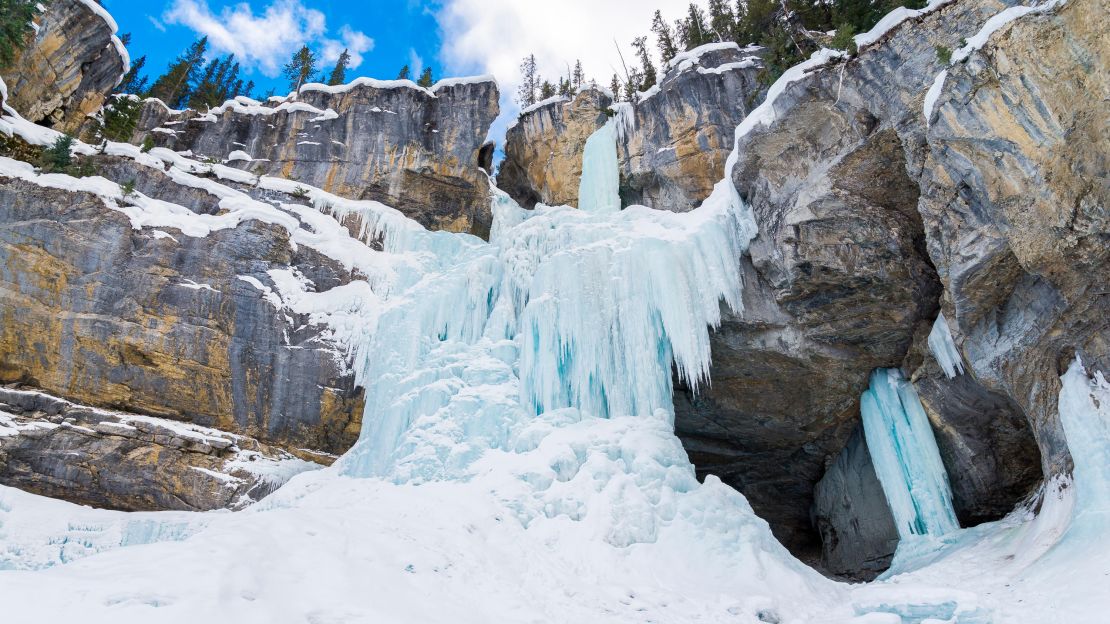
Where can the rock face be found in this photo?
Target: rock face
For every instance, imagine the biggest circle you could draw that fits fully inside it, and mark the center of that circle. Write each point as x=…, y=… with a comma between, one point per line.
x=1014, y=199
x=67, y=70
x=684, y=132
x=418, y=150
x=839, y=281
x=132, y=463
x=674, y=140
x=850, y=512
x=543, y=150
x=163, y=324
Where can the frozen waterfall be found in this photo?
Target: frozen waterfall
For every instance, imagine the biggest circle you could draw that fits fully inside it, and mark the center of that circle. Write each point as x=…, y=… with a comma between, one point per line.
x=599, y=188
x=563, y=309
x=906, y=457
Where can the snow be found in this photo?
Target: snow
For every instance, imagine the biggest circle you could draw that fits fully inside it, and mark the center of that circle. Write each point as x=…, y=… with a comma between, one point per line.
x=933, y=94
x=691, y=57
x=907, y=460
x=239, y=155
x=555, y=99
x=944, y=348
x=396, y=84
x=892, y=20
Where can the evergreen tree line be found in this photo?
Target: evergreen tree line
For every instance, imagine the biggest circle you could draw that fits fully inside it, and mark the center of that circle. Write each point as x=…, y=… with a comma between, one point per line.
x=534, y=88
x=15, y=27
x=791, y=30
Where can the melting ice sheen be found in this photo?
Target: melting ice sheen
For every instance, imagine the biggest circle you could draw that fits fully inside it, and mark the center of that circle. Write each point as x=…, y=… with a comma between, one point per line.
x=906, y=458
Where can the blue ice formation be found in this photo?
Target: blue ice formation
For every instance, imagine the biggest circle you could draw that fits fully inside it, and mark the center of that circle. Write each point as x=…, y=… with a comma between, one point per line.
x=1084, y=406
x=906, y=458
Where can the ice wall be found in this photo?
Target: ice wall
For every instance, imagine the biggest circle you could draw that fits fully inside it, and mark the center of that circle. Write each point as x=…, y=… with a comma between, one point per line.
x=906, y=457
x=944, y=348
x=599, y=188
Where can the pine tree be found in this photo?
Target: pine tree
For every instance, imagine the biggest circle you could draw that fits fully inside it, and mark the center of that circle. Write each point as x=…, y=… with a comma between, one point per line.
x=693, y=30
x=172, y=87
x=647, y=70
x=664, y=37
x=15, y=27
x=546, y=90
x=425, y=79
x=722, y=23
x=299, y=68
x=121, y=115
x=615, y=87
x=132, y=81
x=526, y=92
x=404, y=73
x=578, y=77
x=339, y=74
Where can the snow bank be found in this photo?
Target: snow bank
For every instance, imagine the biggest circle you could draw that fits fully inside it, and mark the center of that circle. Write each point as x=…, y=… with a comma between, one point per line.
x=892, y=20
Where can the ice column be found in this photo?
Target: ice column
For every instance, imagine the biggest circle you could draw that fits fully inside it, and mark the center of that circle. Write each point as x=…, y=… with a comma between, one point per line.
x=944, y=348
x=906, y=457
x=1085, y=415
x=599, y=188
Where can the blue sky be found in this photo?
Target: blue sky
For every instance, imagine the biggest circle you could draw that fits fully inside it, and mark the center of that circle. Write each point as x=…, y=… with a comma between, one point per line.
x=386, y=35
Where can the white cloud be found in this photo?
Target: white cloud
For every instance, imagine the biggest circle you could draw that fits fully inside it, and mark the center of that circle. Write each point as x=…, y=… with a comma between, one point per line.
x=492, y=36
x=416, y=64
x=266, y=41
x=355, y=42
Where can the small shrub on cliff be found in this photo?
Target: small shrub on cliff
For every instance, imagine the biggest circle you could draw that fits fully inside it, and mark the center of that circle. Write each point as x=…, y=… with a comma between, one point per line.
x=845, y=40
x=148, y=144
x=944, y=55
x=300, y=193
x=127, y=188
x=58, y=158
x=15, y=27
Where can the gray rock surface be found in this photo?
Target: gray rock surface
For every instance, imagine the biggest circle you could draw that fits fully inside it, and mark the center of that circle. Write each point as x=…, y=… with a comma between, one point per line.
x=133, y=463
x=1015, y=192
x=851, y=513
x=838, y=281
x=418, y=150
x=66, y=71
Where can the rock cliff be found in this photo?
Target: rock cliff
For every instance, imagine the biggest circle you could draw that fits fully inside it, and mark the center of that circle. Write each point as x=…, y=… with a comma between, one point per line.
x=422, y=151
x=129, y=462
x=871, y=219
x=675, y=139
x=65, y=73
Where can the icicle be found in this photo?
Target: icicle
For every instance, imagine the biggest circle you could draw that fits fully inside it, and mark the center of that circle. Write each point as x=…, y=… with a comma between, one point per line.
x=906, y=457
x=944, y=348
x=599, y=188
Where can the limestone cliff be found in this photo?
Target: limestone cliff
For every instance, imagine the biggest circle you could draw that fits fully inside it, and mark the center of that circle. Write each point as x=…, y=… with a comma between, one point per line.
x=674, y=142
x=65, y=72
x=422, y=151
